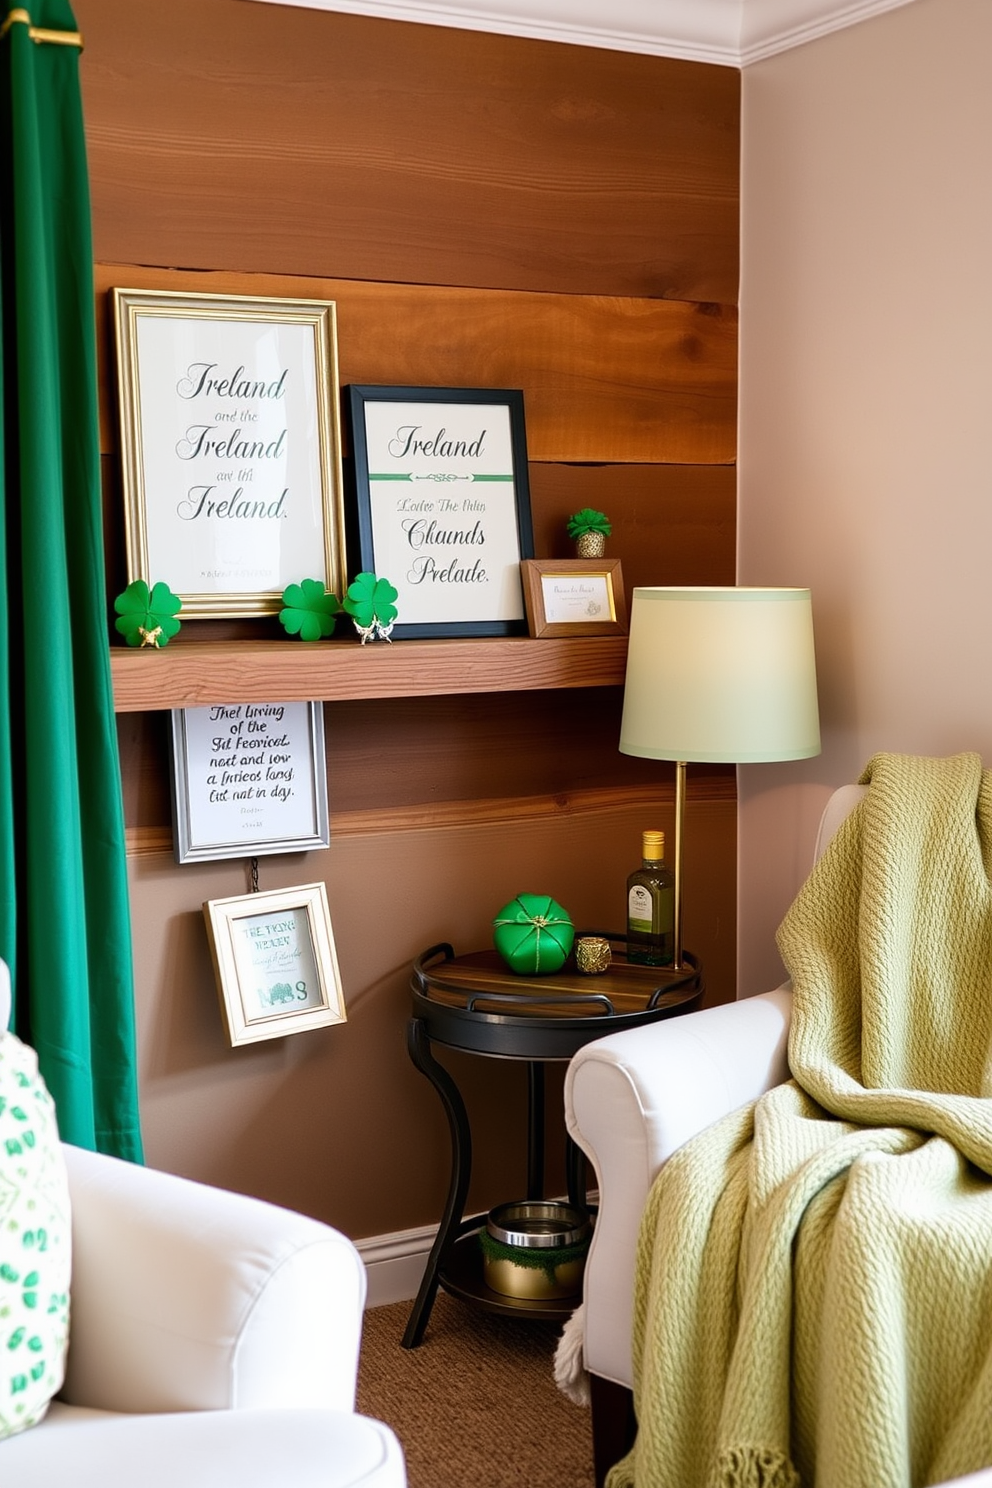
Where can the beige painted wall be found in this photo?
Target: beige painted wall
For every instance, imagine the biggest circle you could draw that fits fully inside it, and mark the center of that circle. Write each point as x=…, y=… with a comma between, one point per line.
x=336, y=1121
x=866, y=405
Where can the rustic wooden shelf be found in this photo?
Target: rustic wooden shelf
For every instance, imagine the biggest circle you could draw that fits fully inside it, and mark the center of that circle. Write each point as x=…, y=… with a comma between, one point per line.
x=189, y=674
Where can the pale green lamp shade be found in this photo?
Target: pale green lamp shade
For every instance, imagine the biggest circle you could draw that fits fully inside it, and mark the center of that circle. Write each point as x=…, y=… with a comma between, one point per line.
x=725, y=676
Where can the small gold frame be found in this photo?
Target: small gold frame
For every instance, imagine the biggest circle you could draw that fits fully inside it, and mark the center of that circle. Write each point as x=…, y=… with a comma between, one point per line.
x=574, y=596
x=208, y=481
x=276, y=966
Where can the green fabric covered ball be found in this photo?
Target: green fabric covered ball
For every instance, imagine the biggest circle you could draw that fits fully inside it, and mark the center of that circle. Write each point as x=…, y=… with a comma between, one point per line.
x=533, y=934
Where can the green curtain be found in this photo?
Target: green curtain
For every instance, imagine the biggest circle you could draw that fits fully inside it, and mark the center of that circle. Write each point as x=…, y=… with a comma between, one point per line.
x=64, y=921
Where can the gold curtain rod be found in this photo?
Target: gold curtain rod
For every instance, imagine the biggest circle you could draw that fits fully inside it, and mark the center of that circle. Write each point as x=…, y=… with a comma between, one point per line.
x=40, y=33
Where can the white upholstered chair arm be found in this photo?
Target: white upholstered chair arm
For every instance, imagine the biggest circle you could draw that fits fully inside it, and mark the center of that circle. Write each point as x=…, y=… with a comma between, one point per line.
x=630, y=1100
x=186, y=1297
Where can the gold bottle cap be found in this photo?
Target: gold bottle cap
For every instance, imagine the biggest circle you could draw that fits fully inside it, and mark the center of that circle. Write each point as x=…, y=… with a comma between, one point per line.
x=653, y=846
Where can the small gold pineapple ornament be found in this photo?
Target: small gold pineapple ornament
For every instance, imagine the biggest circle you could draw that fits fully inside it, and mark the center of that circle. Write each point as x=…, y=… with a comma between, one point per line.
x=589, y=530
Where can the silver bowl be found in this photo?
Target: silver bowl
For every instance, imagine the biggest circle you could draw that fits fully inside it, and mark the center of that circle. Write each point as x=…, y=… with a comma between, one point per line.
x=538, y=1224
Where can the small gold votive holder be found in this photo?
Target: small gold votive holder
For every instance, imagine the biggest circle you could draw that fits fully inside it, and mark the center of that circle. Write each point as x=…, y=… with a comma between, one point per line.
x=592, y=954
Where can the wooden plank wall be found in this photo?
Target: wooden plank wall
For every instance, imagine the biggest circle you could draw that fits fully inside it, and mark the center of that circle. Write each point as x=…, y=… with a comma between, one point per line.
x=227, y=136
x=485, y=211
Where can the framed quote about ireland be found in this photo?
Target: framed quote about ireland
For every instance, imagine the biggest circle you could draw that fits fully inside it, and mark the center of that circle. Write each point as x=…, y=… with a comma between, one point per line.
x=248, y=779
x=276, y=966
x=231, y=449
x=442, y=505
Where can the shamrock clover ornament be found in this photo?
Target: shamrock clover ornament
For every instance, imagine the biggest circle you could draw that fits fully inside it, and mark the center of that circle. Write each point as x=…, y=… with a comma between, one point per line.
x=369, y=602
x=308, y=610
x=147, y=617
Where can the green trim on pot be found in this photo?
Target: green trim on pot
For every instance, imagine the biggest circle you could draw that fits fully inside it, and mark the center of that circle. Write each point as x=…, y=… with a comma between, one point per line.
x=533, y=1257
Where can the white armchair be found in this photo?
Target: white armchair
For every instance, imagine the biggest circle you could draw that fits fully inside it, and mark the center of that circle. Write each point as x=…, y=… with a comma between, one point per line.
x=213, y=1342
x=631, y=1099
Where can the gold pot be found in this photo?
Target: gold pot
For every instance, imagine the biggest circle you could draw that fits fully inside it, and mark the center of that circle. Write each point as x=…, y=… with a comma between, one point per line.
x=537, y=1227
x=533, y=1282
x=591, y=544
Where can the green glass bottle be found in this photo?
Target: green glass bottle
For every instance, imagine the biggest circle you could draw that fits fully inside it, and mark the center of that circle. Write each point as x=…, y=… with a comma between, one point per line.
x=651, y=906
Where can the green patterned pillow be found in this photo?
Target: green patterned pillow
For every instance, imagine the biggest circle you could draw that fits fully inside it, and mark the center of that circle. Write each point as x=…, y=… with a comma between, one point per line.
x=35, y=1242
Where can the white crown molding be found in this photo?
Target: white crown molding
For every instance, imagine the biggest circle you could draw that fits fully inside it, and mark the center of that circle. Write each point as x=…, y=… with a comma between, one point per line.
x=732, y=33
x=696, y=30
x=770, y=26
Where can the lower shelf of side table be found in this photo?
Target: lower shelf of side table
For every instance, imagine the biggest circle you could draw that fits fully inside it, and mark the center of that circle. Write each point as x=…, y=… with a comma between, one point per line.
x=462, y=1276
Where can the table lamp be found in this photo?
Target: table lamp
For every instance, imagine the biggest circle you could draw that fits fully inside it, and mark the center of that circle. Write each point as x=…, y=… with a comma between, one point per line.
x=722, y=676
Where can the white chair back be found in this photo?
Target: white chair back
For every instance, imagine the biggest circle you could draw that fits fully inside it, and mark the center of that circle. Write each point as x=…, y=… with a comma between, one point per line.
x=841, y=804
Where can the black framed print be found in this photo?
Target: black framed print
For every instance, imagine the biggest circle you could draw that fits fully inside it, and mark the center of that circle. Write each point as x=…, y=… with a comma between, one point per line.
x=442, y=505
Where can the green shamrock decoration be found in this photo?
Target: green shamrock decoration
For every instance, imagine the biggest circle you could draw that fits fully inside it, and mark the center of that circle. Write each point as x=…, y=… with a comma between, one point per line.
x=369, y=602
x=588, y=520
x=308, y=610
x=147, y=618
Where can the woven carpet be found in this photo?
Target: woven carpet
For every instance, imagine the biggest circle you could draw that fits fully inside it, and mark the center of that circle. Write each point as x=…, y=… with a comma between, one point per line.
x=476, y=1405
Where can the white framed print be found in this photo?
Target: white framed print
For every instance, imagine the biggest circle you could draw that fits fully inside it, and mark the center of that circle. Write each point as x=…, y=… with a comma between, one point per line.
x=441, y=505
x=231, y=448
x=248, y=779
x=275, y=962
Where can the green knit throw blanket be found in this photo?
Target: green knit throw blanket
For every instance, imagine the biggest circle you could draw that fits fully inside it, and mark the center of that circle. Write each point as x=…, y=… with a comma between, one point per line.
x=814, y=1291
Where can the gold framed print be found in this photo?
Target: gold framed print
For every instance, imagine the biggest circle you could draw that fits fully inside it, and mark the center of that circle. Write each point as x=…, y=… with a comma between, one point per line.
x=231, y=446
x=276, y=966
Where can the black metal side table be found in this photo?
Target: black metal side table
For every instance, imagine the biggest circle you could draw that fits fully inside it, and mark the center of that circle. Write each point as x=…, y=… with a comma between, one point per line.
x=476, y=1004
